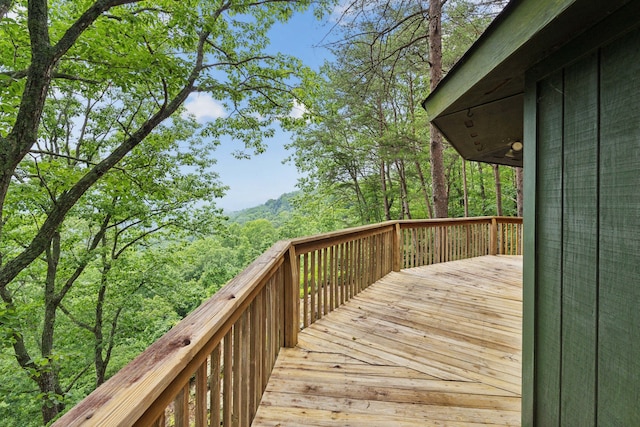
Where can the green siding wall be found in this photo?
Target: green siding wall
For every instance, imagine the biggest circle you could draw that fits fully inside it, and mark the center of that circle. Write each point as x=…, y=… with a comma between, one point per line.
x=549, y=248
x=579, y=243
x=587, y=240
x=619, y=255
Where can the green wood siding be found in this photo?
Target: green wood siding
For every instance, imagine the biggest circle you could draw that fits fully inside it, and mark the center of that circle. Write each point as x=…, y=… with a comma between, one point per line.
x=587, y=240
x=579, y=243
x=619, y=302
x=549, y=249
x=529, y=262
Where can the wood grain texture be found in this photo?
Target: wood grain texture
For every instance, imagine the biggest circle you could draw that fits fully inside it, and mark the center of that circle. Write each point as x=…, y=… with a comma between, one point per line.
x=428, y=346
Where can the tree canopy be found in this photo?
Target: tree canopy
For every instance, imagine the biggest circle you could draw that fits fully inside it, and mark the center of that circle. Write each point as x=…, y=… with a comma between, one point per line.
x=98, y=158
x=370, y=147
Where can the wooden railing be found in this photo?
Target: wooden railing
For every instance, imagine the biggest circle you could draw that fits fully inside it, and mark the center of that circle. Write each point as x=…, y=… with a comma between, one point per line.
x=447, y=239
x=336, y=266
x=212, y=368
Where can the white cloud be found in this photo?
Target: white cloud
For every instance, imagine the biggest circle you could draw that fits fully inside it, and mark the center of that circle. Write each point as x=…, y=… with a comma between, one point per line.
x=204, y=108
x=298, y=110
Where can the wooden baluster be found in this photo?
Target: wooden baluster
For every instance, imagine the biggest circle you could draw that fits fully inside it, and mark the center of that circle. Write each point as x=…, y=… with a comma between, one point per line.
x=353, y=268
x=322, y=298
x=520, y=237
x=340, y=266
x=436, y=244
x=367, y=262
x=316, y=300
x=332, y=278
x=244, y=369
x=279, y=283
x=161, y=421
x=397, y=248
x=291, y=297
x=450, y=236
x=227, y=379
x=493, y=239
x=356, y=266
x=201, y=395
x=261, y=345
x=237, y=363
x=348, y=294
x=336, y=275
x=306, y=286
x=374, y=260
x=214, y=385
x=388, y=253
x=181, y=407
x=266, y=338
x=455, y=237
x=424, y=237
x=361, y=264
x=323, y=265
x=341, y=281
x=428, y=245
x=255, y=349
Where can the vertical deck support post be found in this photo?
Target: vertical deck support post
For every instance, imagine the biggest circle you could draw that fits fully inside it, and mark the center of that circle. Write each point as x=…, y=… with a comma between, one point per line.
x=493, y=239
x=397, y=248
x=291, y=298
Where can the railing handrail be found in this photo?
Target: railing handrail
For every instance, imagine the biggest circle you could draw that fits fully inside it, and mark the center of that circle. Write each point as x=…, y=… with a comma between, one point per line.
x=173, y=352
x=143, y=388
x=465, y=220
x=305, y=244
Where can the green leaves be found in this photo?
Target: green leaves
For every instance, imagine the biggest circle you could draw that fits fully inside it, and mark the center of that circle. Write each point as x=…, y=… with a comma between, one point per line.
x=100, y=175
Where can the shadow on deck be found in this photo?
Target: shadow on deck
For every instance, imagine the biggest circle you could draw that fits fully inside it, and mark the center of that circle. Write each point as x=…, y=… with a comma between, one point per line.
x=434, y=345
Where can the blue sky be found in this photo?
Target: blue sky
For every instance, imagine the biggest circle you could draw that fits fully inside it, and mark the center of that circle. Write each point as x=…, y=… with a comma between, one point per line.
x=262, y=177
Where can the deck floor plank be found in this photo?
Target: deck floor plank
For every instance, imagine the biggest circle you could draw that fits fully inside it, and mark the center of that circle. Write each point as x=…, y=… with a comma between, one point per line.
x=428, y=346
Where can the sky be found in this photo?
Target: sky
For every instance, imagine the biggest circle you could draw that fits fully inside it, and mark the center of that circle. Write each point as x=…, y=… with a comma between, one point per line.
x=253, y=181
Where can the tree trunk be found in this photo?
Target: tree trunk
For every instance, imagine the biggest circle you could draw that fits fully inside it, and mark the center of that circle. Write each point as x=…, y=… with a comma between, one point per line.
x=49, y=386
x=47, y=376
x=440, y=199
x=496, y=174
x=417, y=150
x=362, y=203
x=519, y=191
x=464, y=188
x=483, y=193
x=404, y=193
x=425, y=192
x=385, y=195
x=99, y=362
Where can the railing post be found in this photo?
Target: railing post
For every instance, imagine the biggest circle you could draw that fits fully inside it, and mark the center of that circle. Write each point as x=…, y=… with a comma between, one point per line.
x=291, y=298
x=397, y=248
x=493, y=239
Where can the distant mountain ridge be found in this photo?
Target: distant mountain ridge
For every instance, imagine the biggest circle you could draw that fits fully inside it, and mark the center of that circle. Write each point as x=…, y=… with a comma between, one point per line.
x=273, y=210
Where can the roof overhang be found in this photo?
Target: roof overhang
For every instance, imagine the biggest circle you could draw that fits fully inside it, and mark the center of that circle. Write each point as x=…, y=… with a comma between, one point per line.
x=478, y=106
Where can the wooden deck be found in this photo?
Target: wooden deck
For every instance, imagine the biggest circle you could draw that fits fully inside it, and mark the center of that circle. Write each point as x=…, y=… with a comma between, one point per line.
x=428, y=346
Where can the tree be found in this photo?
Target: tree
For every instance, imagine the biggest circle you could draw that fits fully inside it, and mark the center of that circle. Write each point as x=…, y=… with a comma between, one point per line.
x=147, y=193
x=370, y=139
x=520, y=191
x=130, y=65
x=440, y=199
x=498, y=182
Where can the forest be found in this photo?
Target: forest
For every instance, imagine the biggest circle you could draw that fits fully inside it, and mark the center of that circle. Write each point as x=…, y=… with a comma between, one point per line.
x=109, y=229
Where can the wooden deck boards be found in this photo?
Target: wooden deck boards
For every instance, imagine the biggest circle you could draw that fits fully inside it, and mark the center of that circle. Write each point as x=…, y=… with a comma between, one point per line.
x=428, y=346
